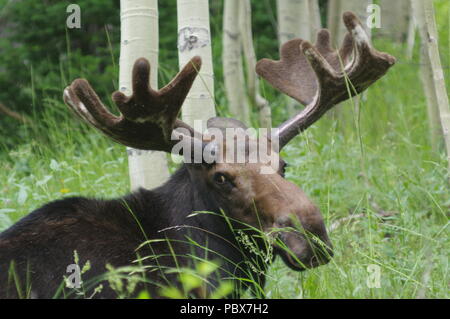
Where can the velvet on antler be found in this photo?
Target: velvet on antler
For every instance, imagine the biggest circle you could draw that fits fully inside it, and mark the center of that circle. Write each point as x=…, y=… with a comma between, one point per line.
x=319, y=77
x=148, y=116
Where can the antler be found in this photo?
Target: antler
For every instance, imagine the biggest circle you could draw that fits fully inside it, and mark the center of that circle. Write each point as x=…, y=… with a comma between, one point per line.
x=320, y=77
x=148, y=116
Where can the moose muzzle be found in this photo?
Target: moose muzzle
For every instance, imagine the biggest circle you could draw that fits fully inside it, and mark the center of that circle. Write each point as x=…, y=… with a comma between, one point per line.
x=301, y=248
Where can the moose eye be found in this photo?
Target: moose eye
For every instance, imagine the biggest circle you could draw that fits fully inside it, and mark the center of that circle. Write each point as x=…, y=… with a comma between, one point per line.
x=220, y=178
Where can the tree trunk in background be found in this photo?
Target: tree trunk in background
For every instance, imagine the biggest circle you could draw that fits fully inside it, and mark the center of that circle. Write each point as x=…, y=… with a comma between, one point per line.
x=426, y=76
x=139, y=38
x=334, y=17
x=259, y=102
x=424, y=12
x=411, y=36
x=314, y=16
x=194, y=38
x=336, y=9
x=334, y=20
x=395, y=17
x=293, y=22
x=232, y=61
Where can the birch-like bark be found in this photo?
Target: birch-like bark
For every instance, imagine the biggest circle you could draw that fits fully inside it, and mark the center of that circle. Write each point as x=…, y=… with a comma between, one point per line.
x=139, y=38
x=395, y=17
x=334, y=18
x=336, y=9
x=259, y=102
x=293, y=22
x=411, y=36
x=426, y=76
x=232, y=61
x=194, y=39
x=314, y=17
x=424, y=12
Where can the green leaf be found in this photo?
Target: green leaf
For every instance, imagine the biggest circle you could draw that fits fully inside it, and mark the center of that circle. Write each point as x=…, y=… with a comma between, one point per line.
x=144, y=295
x=190, y=281
x=172, y=293
x=224, y=290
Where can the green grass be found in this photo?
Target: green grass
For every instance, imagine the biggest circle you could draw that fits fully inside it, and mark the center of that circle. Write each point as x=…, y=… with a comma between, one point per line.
x=379, y=159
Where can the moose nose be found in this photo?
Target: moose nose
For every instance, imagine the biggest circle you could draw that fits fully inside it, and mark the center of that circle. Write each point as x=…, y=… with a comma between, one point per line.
x=307, y=247
x=316, y=252
x=322, y=253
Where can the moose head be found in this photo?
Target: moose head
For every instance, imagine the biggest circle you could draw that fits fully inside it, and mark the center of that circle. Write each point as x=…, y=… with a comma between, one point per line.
x=315, y=75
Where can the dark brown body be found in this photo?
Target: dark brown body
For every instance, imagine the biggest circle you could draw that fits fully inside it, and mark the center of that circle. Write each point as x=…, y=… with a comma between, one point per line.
x=104, y=232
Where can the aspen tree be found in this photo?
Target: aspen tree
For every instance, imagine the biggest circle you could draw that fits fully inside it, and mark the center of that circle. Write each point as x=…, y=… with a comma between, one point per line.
x=259, y=102
x=293, y=22
x=395, y=19
x=194, y=39
x=336, y=9
x=432, y=73
x=314, y=17
x=139, y=38
x=232, y=61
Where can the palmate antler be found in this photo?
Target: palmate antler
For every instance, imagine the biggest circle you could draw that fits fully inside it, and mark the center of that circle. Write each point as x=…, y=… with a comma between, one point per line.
x=148, y=116
x=316, y=76
x=319, y=77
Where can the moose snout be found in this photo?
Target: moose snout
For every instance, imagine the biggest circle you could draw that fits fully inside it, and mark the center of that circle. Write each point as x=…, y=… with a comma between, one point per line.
x=301, y=252
x=303, y=248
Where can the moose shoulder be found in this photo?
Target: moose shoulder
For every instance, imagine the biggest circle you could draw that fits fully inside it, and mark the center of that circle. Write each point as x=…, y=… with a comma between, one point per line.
x=208, y=206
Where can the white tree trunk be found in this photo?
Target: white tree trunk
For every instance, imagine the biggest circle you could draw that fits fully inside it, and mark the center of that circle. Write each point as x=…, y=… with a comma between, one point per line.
x=426, y=76
x=314, y=16
x=411, y=36
x=293, y=22
x=261, y=104
x=395, y=17
x=424, y=12
x=334, y=19
x=232, y=61
x=336, y=9
x=139, y=38
x=194, y=39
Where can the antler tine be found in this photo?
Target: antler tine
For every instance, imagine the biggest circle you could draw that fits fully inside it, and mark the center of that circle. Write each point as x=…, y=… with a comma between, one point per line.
x=148, y=116
x=82, y=99
x=320, y=77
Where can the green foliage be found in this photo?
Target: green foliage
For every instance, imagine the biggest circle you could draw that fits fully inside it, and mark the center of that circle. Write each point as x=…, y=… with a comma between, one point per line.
x=39, y=56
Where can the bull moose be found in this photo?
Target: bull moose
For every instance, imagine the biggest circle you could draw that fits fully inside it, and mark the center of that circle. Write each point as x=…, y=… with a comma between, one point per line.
x=202, y=211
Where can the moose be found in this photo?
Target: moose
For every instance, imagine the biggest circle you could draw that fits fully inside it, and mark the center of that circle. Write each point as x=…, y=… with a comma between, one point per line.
x=206, y=207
